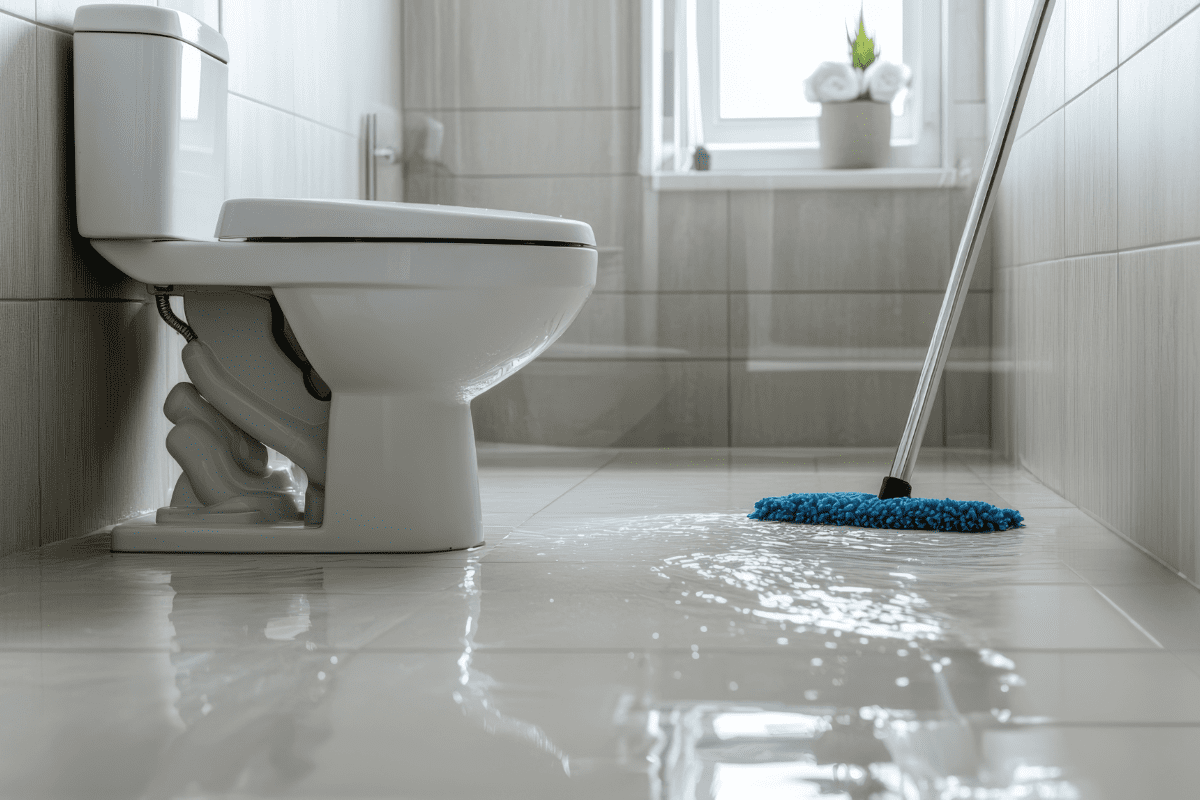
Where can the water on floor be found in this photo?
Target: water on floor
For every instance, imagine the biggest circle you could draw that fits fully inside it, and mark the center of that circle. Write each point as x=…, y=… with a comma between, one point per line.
x=626, y=632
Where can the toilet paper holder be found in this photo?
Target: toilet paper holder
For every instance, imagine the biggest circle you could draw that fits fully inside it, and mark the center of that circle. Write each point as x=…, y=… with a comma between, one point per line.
x=373, y=154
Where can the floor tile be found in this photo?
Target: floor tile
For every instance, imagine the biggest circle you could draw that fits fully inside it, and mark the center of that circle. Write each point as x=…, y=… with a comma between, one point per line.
x=626, y=632
x=1170, y=612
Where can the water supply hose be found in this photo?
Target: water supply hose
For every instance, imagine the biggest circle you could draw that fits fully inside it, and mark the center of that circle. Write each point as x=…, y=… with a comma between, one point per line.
x=162, y=299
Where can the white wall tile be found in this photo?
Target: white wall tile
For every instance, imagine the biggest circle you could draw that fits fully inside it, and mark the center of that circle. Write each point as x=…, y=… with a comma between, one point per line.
x=1038, y=204
x=1091, y=48
x=536, y=141
x=18, y=430
x=1142, y=20
x=327, y=162
x=1091, y=170
x=1159, y=153
x=207, y=11
x=22, y=8
x=967, y=49
x=262, y=40
x=521, y=54
x=61, y=13
x=18, y=158
x=322, y=71
x=261, y=151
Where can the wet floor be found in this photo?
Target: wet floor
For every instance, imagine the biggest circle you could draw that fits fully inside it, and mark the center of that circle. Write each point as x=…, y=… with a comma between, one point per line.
x=625, y=633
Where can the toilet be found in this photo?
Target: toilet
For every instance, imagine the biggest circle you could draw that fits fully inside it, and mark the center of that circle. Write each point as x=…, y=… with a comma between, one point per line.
x=347, y=336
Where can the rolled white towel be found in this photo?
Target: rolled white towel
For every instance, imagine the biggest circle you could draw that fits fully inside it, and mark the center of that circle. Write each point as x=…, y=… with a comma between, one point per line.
x=883, y=80
x=833, y=82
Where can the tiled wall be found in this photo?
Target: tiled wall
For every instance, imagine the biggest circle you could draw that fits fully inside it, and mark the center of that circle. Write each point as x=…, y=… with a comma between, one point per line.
x=766, y=318
x=1098, y=266
x=85, y=363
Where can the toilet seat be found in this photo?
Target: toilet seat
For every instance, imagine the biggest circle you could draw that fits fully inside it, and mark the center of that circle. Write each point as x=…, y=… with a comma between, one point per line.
x=270, y=218
x=367, y=244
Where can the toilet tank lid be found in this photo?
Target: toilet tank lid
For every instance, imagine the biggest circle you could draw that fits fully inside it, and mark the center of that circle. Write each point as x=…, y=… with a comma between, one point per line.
x=263, y=218
x=123, y=18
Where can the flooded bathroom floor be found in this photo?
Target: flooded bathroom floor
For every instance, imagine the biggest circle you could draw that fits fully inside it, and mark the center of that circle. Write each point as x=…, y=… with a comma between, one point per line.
x=625, y=632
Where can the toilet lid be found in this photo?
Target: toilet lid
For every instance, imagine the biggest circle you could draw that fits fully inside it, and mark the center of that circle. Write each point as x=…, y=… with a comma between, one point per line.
x=265, y=218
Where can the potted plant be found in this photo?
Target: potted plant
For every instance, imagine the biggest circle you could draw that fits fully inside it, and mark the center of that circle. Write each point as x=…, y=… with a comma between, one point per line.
x=855, y=126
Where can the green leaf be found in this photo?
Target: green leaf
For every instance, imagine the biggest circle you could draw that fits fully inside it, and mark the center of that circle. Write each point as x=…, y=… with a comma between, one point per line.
x=862, y=49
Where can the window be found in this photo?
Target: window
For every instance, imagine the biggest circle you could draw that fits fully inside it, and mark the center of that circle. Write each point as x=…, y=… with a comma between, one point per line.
x=730, y=76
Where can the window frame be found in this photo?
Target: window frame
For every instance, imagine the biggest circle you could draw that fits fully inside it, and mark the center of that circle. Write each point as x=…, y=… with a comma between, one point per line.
x=683, y=87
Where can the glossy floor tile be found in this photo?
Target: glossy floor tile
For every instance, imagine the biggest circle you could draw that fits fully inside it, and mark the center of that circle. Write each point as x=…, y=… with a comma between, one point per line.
x=625, y=632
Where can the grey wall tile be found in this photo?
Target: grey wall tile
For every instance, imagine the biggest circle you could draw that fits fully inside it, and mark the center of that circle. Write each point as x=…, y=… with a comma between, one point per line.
x=844, y=329
x=1159, y=153
x=1047, y=91
x=693, y=242
x=611, y=205
x=461, y=54
x=811, y=408
x=537, y=141
x=67, y=266
x=61, y=13
x=18, y=435
x=1095, y=363
x=1158, y=465
x=1091, y=170
x=1002, y=224
x=261, y=151
x=608, y=403
x=960, y=207
x=1091, y=47
x=104, y=371
x=1140, y=21
x=262, y=40
x=1039, y=208
x=840, y=240
x=18, y=158
x=1004, y=304
x=968, y=407
x=647, y=326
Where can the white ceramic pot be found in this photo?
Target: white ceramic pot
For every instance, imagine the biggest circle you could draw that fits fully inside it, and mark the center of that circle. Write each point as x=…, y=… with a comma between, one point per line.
x=855, y=135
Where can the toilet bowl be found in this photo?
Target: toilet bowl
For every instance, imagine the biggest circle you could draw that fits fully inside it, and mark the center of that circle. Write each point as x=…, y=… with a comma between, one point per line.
x=350, y=336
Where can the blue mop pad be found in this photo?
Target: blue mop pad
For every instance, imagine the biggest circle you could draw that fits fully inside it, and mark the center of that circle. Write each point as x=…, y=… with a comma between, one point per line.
x=861, y=510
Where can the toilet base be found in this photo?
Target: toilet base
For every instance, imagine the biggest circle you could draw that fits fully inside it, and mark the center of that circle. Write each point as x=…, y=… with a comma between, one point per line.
x=401, y=478
x=143, y=535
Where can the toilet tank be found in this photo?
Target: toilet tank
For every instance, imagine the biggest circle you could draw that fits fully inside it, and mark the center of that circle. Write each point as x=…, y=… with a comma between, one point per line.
x=150, y=109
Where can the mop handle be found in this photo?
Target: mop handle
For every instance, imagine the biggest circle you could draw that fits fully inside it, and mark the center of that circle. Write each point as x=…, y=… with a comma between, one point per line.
x=896, y=484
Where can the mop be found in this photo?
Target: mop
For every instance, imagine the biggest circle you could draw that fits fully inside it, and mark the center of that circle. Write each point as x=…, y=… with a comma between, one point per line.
x=894, y=507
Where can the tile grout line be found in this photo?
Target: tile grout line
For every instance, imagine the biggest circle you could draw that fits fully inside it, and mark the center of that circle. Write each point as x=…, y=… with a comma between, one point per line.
x=613, y=457
x=1120, y=610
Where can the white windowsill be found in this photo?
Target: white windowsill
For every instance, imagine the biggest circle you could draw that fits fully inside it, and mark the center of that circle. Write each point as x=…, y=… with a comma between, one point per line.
x=887, y=178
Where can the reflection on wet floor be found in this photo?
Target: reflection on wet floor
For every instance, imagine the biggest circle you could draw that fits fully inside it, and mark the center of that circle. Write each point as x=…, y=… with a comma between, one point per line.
x=610, y=653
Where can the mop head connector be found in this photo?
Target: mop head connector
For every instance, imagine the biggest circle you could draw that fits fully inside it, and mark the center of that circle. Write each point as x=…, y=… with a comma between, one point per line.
x=861, y=510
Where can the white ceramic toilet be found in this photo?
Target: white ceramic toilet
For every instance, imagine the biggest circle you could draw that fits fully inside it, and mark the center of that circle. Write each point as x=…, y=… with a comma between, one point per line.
x=350, y=336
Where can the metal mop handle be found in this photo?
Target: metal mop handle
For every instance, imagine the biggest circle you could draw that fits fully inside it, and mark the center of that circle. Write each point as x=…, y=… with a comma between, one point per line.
x=896, y=484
